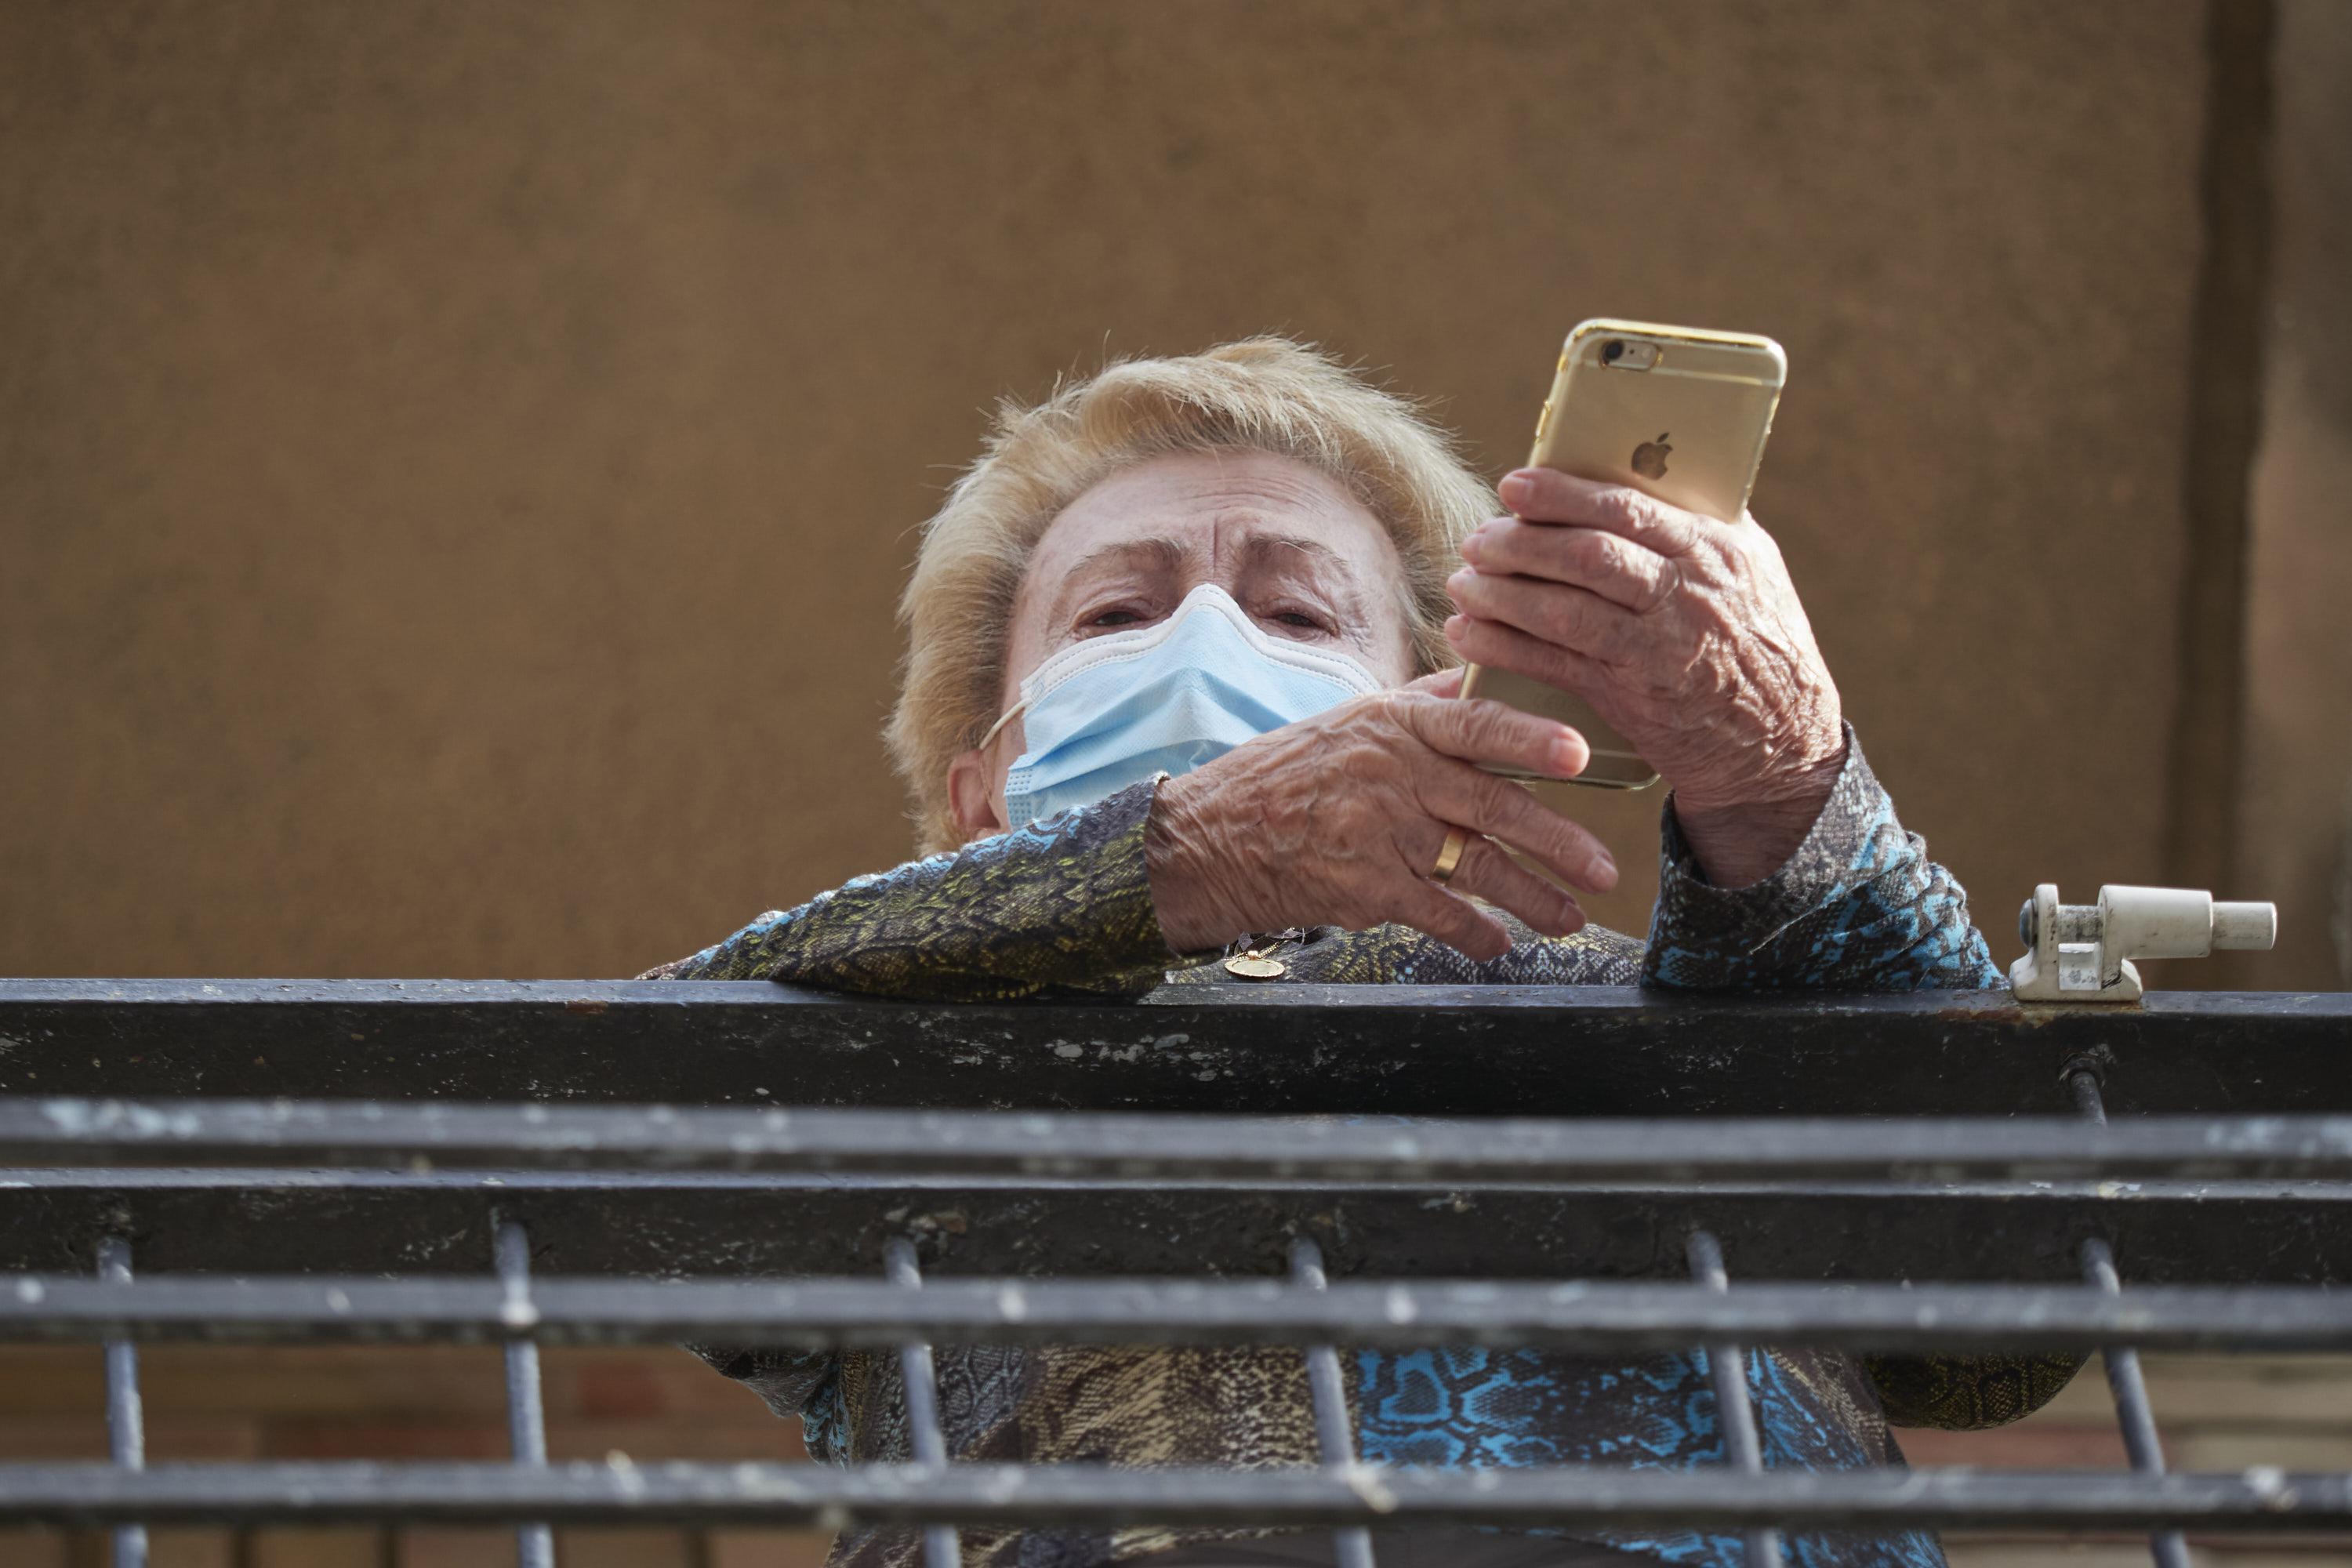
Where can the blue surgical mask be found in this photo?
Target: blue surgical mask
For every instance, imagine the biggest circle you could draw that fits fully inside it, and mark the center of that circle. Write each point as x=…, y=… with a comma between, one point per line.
x=1112, y=710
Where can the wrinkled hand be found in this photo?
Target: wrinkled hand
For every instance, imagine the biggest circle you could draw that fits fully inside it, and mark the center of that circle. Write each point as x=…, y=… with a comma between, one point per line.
x=1683, y=633
x=1337, y=819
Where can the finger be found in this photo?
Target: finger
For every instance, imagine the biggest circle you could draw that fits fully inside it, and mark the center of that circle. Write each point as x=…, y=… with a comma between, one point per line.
x=1546, y=495
x=1489, y=803
x=1479, y=731
x=1571, y=617
x=1441, y=683
x=1608, y=564
x=1495, y=646
x=1489, y=873
x=1452, y=920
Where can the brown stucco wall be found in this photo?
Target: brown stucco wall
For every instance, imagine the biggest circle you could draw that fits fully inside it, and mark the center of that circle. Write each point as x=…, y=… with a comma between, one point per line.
x=2295, y=827
x=457, y=461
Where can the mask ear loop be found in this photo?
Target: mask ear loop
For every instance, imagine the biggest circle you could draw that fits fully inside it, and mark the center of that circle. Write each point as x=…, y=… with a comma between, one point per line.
x=993, y=730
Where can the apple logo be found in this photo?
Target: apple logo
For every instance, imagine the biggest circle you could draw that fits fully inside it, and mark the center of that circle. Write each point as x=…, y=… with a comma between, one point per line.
x=1649, y=457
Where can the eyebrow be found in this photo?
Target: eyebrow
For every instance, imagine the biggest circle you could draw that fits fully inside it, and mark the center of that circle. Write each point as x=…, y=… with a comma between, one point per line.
x=1260, y=545
x=1168, y=553
x=1165, y=554
x=1161, y=553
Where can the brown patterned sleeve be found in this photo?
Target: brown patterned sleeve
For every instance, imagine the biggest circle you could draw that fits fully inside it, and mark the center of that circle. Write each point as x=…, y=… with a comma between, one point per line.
x=1061, y=905
x=1967, y=1393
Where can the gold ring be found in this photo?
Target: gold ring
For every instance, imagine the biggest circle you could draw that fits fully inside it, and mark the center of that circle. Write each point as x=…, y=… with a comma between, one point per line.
x=1449, y=858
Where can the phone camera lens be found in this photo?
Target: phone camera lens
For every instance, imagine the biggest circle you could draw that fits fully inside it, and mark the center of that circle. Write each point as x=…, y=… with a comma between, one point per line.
x=1613, y=351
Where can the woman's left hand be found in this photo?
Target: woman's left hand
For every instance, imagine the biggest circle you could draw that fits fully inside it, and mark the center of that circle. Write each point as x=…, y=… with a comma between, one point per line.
x=1683, y=631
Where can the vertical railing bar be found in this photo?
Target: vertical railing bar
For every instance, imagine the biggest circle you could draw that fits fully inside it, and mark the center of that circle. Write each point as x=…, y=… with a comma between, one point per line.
x=526, y=1409
x=941, y=1548
x=2134, y=1414
x=1353, y=1545
x=1726, y=1366
x=2133, y=1411
x=2086, y=1085
x=126, y=1421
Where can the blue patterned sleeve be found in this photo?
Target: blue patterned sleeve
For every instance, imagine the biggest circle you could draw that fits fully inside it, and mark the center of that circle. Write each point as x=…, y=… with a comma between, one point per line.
x=1859, y=907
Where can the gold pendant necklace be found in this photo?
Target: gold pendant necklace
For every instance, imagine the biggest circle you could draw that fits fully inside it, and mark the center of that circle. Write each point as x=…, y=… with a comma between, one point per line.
x=1258, y=964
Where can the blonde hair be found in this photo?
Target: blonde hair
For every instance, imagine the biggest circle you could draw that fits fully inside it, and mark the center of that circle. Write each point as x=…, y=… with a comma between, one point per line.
x=1266, y=395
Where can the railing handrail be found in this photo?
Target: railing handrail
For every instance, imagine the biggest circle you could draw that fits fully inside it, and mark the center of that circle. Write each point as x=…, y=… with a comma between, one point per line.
x=1422, y=1050
x=2256, y=1501
x=1591, y=1317
x=64, y=1130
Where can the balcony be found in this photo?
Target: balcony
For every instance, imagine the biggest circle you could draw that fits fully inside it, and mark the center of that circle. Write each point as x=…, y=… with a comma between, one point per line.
x=568, y=1164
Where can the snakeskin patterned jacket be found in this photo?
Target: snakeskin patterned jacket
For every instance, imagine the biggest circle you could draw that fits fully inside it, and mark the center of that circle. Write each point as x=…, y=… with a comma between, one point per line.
x=1065, y=906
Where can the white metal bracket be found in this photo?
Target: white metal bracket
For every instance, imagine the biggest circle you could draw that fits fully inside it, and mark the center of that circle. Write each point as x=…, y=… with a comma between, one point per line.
x=2083, y=952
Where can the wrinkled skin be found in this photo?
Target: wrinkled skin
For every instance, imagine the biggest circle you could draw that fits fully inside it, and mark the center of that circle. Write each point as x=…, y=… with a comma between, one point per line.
x=1686, y=633
x=1335, y=820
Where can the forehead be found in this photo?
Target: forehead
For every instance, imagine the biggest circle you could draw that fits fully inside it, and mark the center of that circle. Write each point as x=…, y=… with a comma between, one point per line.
x=1212, y=501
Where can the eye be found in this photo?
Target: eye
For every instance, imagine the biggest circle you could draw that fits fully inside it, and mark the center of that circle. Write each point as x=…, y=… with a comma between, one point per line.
x=1295, y=619
x=1116, y=616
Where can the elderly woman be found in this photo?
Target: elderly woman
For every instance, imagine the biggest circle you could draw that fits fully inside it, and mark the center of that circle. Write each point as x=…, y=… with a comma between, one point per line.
x=1181, y=685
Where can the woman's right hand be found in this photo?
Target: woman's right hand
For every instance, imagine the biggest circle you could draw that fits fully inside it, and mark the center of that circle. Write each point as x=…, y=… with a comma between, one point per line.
x=1338, y=819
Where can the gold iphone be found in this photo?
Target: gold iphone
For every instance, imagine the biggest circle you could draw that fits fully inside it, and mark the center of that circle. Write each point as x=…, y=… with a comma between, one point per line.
x=1678, y=412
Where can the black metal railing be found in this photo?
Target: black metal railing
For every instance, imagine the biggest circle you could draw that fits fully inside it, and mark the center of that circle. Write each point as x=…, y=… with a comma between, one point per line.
x=1599, y=1169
